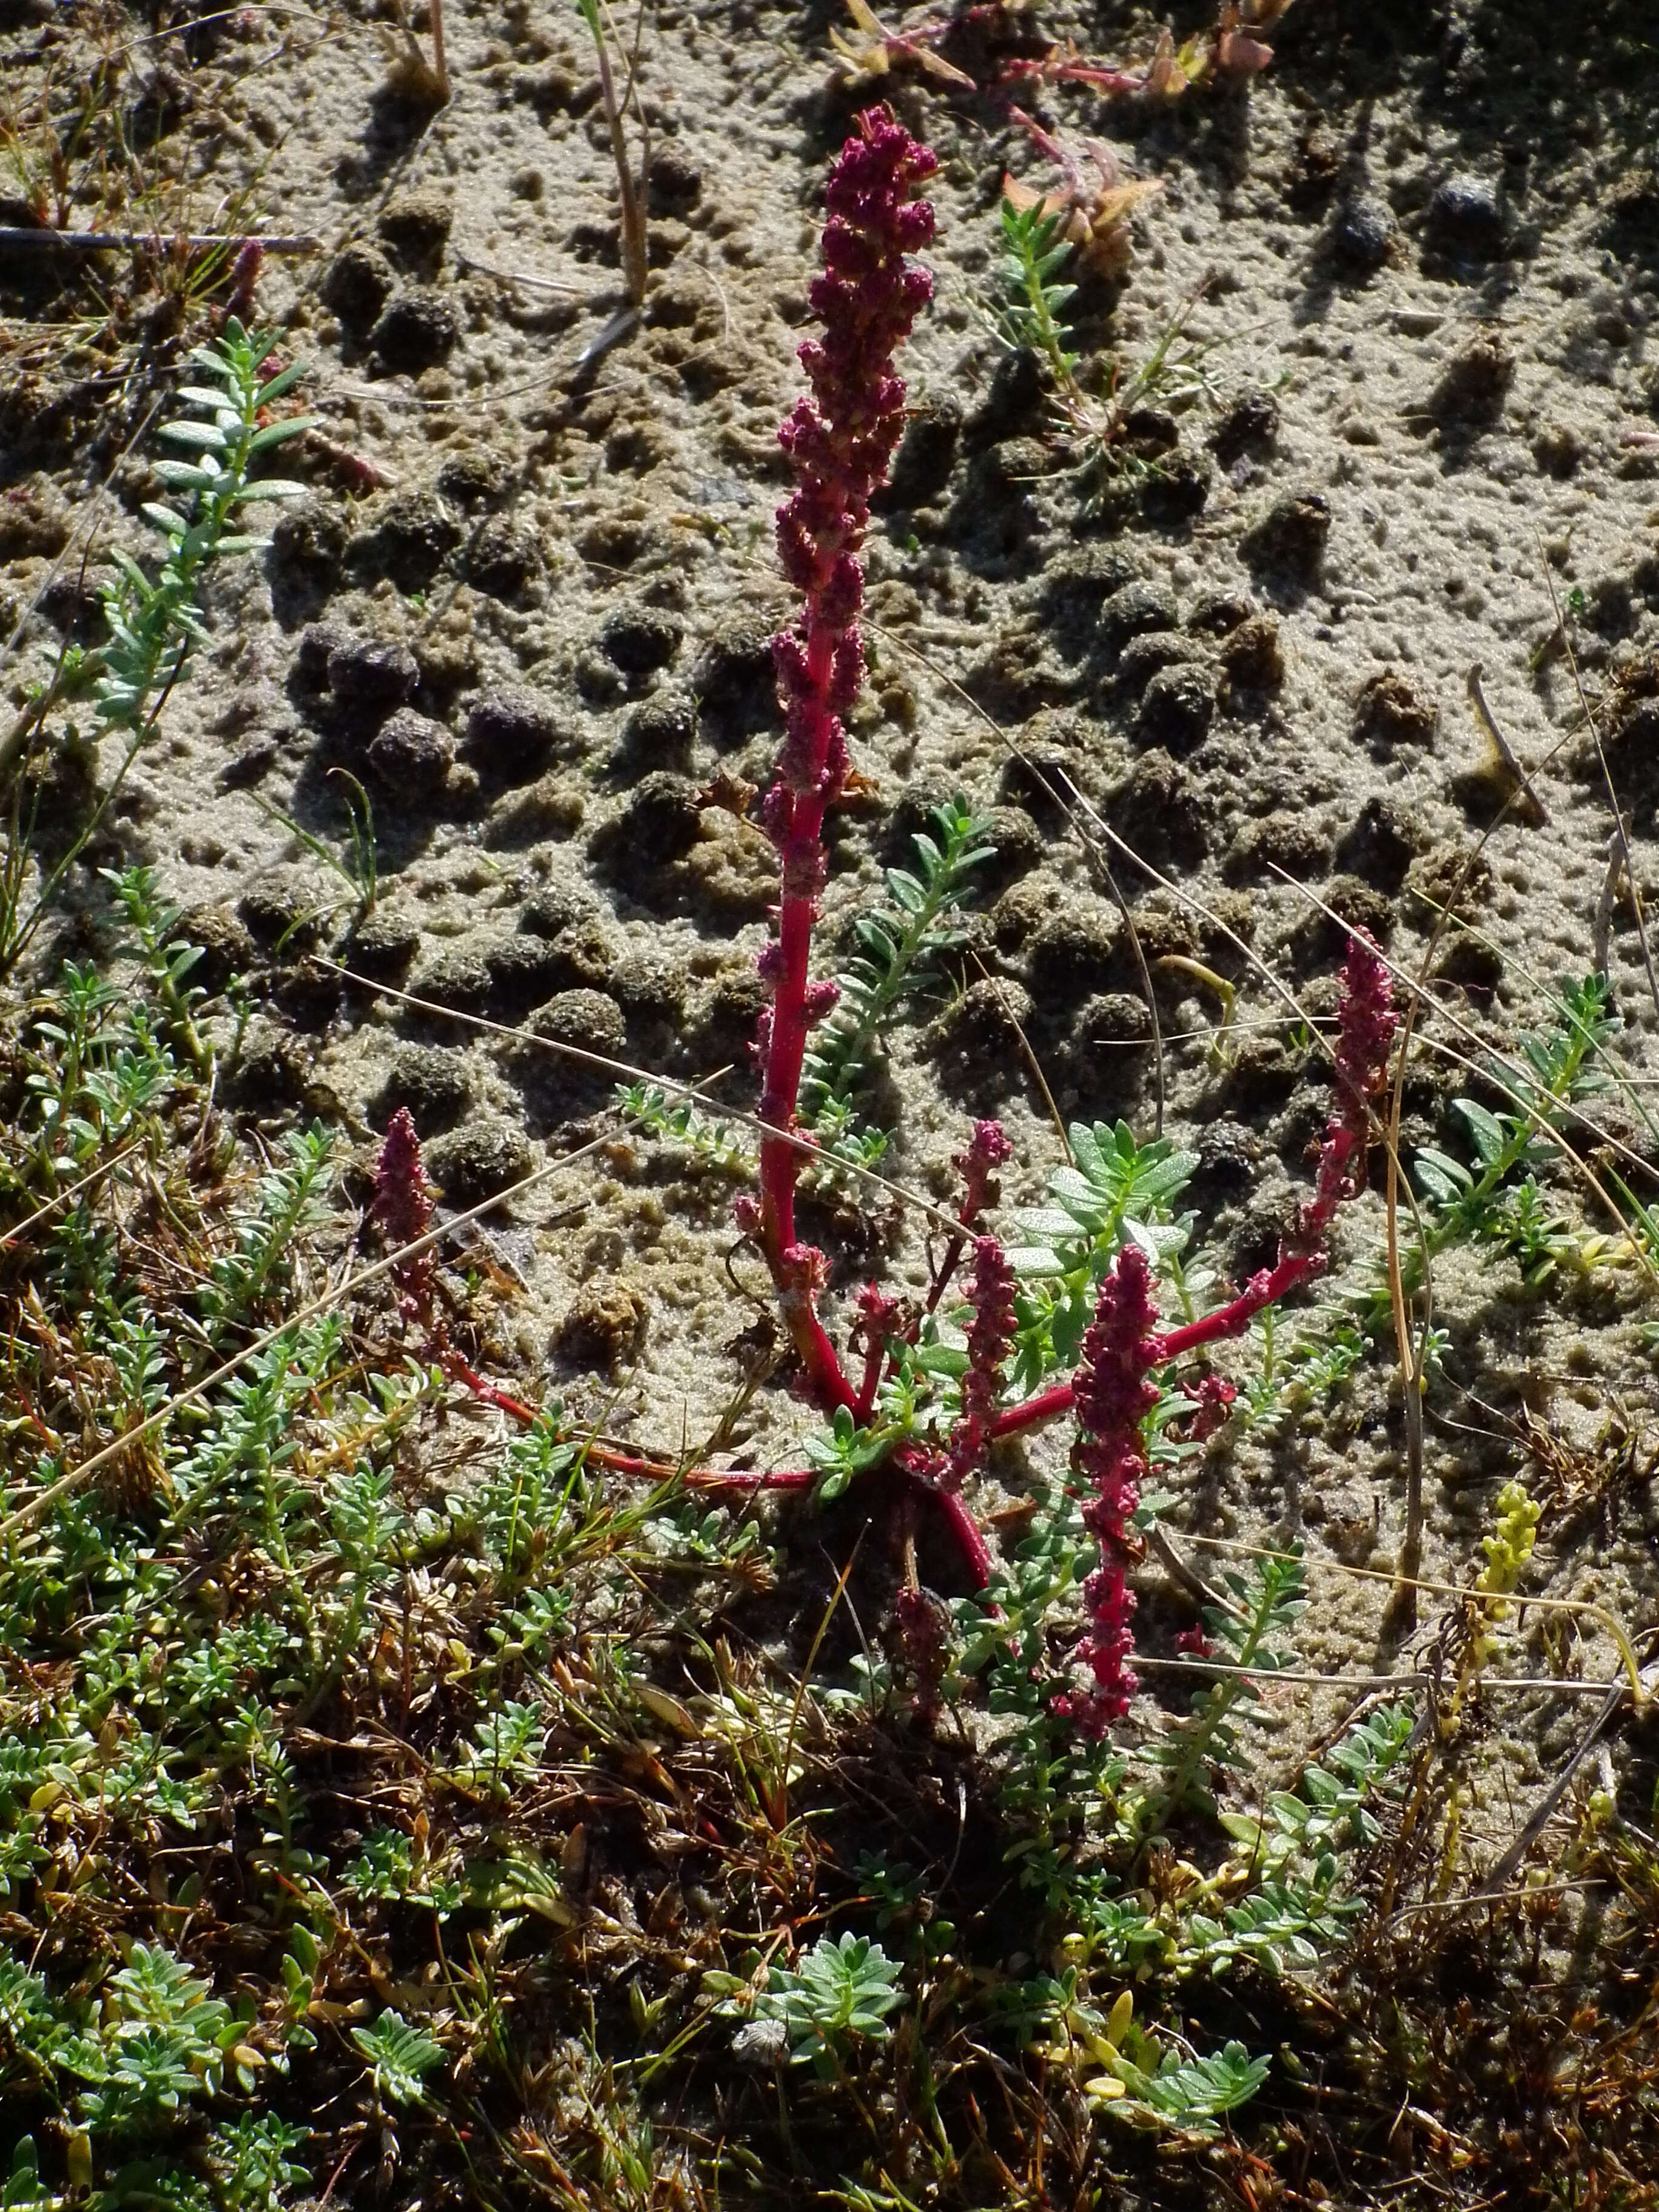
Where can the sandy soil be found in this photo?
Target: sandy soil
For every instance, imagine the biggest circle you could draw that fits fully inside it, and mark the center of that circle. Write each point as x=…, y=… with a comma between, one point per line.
x=1426, y=241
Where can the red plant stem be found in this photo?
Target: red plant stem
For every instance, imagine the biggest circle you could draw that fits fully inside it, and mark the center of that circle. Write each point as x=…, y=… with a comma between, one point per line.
x=875, y=1359
x=786, y=1053
x=489, y=1394
x=975, y=1551
x=620, y=1462
x=1032, y=1413
x=840, y=438
x=1233, y=1318
x=948, y=1265
x=1229, y=1320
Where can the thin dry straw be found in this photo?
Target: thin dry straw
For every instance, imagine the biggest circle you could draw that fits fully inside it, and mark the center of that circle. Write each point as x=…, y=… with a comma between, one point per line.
x=118, y=241
x=22, y=1228
x=1618, y=828
x=1387, y=1575
x=76, y=1475
x=695, y=1092
x=1411, y=1680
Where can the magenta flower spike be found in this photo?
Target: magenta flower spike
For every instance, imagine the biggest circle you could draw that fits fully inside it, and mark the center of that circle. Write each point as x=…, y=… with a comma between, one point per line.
x=840, y=441
x=990, y=1339
x=1113, y=1397
x=402, y=1207
x=1111, y=1392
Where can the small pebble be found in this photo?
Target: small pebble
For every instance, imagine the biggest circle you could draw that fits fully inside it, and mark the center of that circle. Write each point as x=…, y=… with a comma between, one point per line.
x=1465, y=217
x=369, y=673
x=417, y=331
x=1253, y=655
x=511, y=733
x=657, y=824
x=382, y=945
x=603, y=1326
x=1139, y=606
x=639, y=639
x=356, y=285
x=659, y=732
x=1392, y=711
x=415, y=227
x=1178, y=707
x=1291, y=537
x=503, y=559
x=483, y=1157
x=412, y=754
x=1075, y=951
x=432, y=1081
x=1365, y=232
x=1158, y=809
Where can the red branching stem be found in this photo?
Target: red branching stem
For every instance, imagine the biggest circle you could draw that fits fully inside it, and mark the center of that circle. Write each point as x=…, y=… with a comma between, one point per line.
x=1032, y=1413
x=1112, y=1390
x=1367, y=1022
x=1264, y=1289
x=840, y=442
x=970, y=1542
x=878, y=1319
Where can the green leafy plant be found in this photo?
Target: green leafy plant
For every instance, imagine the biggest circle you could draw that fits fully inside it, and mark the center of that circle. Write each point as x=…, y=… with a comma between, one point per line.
x=398, y=2058
x=288, y=1200
x=167, y=957
x=898, y=956
x=1499, y=1201
x=249, y=2155
x=1115, y=1187
x=1034, y=250
x=385, y=1868
x=152, y=623
x=1092, y=400
x=1127, y=2071
x=506, y=1747
x=842, y=1993
x=650, y=1108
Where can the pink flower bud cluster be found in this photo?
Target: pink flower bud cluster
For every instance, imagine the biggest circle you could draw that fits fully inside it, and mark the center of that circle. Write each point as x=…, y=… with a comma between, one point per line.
x=988, y=1149
x=1366, y=1026
x=401, y=1208
x=878, y=1318
x=1113, y=1397
x=840, y=441
x=990, y=1336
